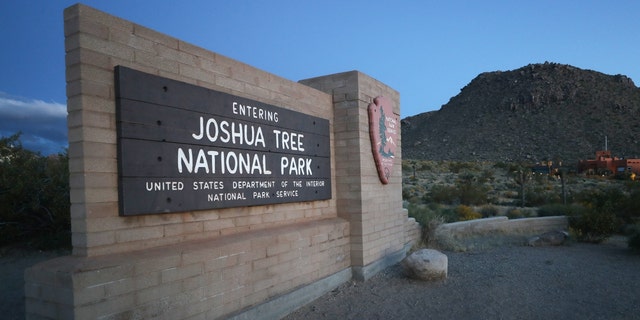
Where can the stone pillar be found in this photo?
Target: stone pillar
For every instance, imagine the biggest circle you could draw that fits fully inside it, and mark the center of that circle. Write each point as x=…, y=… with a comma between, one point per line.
x=374, y=210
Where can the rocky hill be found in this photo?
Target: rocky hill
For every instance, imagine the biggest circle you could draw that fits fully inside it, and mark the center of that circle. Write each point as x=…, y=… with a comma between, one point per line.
x=538, y=112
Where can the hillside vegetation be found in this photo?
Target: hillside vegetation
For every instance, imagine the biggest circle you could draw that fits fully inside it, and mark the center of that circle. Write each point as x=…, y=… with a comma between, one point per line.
x=448, y=191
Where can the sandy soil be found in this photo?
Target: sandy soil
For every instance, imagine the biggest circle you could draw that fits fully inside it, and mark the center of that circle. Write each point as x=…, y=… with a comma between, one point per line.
x=574, y=281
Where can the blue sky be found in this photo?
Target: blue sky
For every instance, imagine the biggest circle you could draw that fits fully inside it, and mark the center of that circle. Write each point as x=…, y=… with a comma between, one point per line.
x=426, y=50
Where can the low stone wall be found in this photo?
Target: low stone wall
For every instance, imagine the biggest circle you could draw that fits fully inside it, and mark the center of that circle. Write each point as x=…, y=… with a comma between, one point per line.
x=464, y=235
x=210, y=278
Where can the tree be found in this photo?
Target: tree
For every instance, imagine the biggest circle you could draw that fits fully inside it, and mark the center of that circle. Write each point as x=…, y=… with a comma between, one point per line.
x=521, y=177
x=562, y=173
x=34, y=194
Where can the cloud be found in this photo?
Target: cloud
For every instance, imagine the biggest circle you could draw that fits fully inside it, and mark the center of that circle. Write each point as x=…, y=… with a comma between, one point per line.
x=43, y=124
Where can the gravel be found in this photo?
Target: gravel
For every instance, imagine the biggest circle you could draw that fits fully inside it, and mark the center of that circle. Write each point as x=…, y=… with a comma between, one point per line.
x=572, y=281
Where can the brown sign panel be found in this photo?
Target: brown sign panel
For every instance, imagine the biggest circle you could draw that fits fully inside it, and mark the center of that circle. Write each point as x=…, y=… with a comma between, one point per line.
x=182, y=147
x=383, y=131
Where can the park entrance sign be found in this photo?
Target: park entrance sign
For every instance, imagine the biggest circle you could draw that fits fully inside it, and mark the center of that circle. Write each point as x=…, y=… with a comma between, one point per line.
x=201, y=186
x=183, y=147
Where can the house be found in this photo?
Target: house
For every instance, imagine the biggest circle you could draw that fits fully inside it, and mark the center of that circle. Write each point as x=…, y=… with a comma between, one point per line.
x=606, y=164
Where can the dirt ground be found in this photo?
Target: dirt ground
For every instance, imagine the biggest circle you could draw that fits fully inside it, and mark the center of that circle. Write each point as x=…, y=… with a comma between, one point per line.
x=573, y=281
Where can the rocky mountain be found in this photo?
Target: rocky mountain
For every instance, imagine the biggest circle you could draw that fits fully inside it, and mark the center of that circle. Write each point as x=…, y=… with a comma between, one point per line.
x=539, y=112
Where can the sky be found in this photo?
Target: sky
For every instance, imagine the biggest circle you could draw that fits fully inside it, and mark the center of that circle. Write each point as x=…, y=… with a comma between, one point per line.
x=426, y=50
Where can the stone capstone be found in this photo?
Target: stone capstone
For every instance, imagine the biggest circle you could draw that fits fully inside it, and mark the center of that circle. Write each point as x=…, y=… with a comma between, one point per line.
x=426, y=264
x=551, y=238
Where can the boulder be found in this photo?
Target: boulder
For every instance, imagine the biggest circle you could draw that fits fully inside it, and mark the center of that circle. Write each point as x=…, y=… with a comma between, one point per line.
x=551, y=238
x=426, y=264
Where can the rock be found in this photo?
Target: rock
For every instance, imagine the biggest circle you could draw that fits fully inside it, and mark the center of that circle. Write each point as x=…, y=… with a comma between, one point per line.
x=552, y=238
x=426, y=264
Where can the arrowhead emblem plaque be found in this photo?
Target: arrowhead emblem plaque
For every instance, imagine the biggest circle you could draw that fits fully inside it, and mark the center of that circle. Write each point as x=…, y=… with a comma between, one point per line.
x=383, y=131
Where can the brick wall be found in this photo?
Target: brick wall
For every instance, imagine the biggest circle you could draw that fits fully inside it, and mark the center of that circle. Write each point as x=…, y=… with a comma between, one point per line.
x=374, y=210
x=210, y=278
x=95, y=43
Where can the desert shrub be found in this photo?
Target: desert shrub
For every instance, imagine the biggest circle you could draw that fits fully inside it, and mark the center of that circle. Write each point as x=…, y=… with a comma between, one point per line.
x=466, y=213
x=429, y=217
x=611, y=201
x=421, y=213
x=429, y=229
x=501, y=165
x=597, y=198
x=486, y=176
x=34, y=196
x=488, y=211
x=412, y=193
x=464, y=192
x=515, y=213
x=629, y=209
x=457, y=167
x=591, y=225
x=442, y=194
x=634, y=241
x=424, y=213
x=408, y=166
x=406, y=193
x=424, y=166
x=472, y=194
x=530, y=212
x=540, y=196
x=510, y=194
x=448, y=214
x=557, y=209
x=470, y=189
